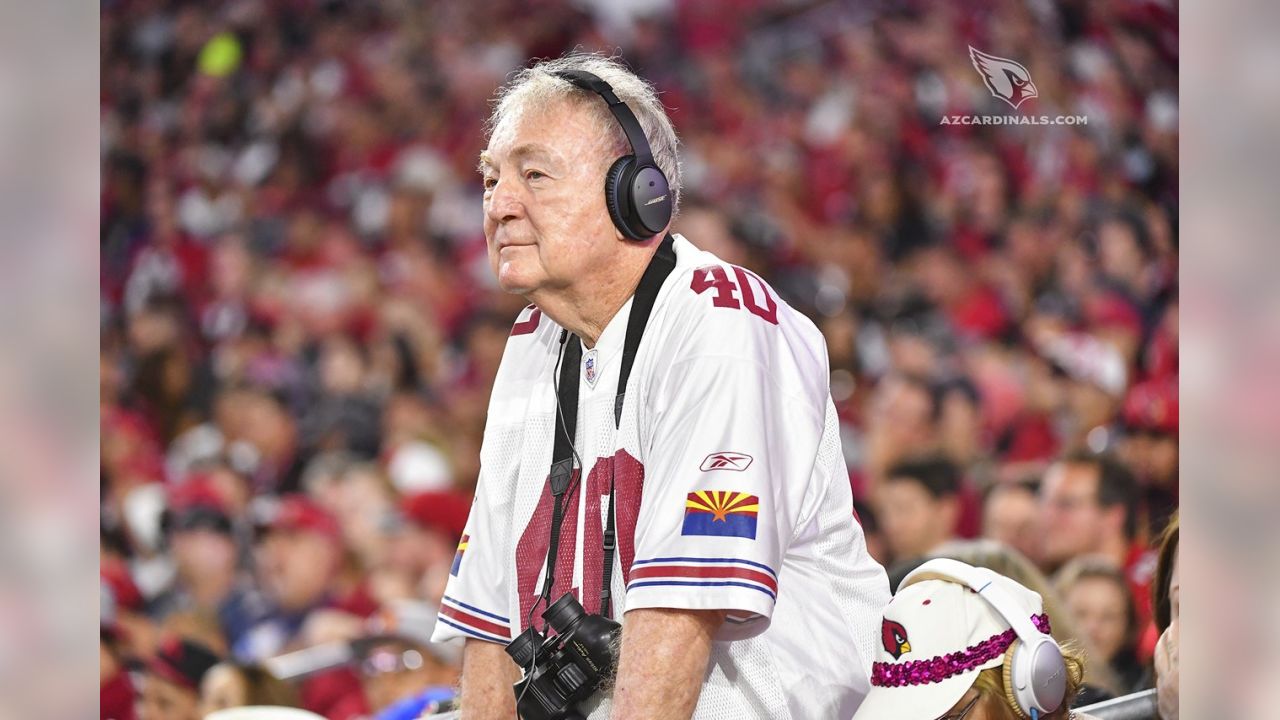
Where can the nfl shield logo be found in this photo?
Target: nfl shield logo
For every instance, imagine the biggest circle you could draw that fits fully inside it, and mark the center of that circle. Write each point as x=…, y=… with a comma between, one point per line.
x=589, y=367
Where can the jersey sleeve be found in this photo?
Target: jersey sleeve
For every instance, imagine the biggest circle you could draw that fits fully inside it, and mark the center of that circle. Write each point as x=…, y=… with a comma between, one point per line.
x=729, y=460
x=476, y=597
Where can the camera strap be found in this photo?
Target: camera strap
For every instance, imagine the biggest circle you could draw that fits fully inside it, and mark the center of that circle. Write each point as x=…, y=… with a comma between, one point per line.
x=663, y=262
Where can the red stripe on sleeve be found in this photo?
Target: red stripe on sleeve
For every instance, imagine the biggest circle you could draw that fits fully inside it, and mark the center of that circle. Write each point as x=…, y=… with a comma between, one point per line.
x=704, y=571
x=478, y=623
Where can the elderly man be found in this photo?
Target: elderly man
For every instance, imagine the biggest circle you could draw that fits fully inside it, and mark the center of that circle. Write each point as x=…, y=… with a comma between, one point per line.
x=708, y=508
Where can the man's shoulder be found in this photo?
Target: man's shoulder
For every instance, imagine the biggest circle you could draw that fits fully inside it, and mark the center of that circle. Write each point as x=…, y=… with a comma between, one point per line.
x=715, y=307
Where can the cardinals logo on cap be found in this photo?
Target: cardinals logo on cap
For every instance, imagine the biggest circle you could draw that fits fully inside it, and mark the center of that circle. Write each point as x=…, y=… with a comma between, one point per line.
x=894, y=637
x=1005, y=78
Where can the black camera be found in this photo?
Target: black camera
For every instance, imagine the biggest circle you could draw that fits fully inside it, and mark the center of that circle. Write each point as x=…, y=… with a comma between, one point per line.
x=566, y=668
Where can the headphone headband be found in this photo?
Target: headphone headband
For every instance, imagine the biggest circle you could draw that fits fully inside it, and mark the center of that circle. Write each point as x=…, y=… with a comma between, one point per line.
x=626, y=119
x=980, y=580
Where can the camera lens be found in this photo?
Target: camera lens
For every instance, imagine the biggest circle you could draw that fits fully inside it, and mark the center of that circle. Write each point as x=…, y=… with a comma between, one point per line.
x=564, y=614
x=524, y=647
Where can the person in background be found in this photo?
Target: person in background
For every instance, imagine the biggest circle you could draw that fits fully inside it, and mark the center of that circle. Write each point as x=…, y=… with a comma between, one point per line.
x=1089, y=506
x=919, y=505
x=424, y=544
x=903, y=421
x=300, y=558
x=230, y=684
x=171, y=684
x=945, y=650
x=200, y=536
x=403, y=673
x=960, y=435
x=1167, y=607
x=1097, y=595
x=1150, y=446
x=116, y=692
x=299, y=555
x=1011, y=515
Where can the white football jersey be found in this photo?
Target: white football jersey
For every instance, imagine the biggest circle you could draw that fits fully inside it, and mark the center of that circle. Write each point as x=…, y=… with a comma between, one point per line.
x=731, y=494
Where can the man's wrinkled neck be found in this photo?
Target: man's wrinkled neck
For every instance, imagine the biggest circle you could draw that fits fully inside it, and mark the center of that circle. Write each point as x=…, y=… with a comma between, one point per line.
x=586, y=308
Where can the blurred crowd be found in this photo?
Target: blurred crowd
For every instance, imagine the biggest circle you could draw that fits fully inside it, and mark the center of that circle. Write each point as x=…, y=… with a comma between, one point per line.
x=299, y=327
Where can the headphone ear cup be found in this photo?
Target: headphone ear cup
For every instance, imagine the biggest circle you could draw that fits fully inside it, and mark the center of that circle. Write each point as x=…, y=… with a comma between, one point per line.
x=1035, y=677
x=616, y=185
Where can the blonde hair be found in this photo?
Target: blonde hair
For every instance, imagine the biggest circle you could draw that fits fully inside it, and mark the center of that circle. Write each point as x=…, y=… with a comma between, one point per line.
x=537, y=85
x=995, y=691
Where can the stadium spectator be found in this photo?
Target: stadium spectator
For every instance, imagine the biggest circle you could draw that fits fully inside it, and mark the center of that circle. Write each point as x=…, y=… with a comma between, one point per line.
x=1167, y=607
x=171, y=684
x=206, y=555
x=230, y=684
x=1089, y=507
x=1097, y=595
x=424, y=545
x=904, y=415
x=1150, y=446
x=116, y=691
x=402, y=671
x=299, y=556
x=919, y=506
x=1011, y=515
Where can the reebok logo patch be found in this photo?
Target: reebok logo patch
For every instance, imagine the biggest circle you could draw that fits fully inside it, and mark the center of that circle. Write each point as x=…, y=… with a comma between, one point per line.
x=726, y=460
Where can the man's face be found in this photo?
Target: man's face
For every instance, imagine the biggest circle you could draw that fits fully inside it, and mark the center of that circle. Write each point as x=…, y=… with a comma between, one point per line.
x=202, y=551
x=1073, y=521
x=296, y=567
x=1012, y=516
x=163, y=700
x=903, y=409
x=914, y=521
x=418, y=550
x=1101, y=610
x=544, y=211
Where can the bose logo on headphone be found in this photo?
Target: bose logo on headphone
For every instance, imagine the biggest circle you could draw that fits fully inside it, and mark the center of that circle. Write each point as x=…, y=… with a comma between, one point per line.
x=658, y=199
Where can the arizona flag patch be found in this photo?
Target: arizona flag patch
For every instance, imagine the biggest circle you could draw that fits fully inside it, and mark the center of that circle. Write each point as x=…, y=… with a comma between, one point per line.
x=457, y=557
x=721, y=513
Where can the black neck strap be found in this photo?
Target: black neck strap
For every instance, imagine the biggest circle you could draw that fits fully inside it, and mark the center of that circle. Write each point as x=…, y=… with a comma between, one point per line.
x=663, y=262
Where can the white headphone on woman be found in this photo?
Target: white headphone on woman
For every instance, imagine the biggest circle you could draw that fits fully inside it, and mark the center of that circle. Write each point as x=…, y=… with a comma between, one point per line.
x=1035, y=677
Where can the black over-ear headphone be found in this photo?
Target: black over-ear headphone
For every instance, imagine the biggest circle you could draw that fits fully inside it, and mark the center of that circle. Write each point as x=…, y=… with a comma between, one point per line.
x=635, y=189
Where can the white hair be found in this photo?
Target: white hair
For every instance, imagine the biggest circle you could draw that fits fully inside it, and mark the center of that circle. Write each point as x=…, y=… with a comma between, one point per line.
x=537, y=85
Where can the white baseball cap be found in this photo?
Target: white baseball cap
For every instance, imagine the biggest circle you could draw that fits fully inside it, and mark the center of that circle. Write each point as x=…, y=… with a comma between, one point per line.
x=936, y=636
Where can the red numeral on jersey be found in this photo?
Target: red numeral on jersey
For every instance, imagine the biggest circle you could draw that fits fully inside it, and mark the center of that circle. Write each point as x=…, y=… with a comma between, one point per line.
x=713, y=277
